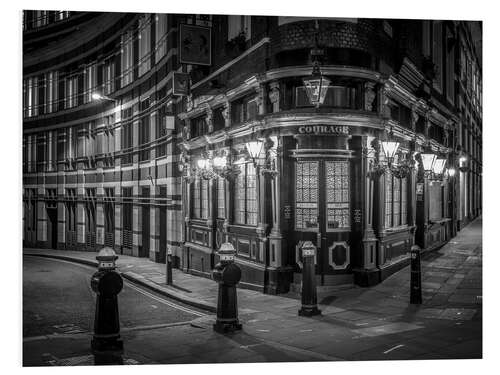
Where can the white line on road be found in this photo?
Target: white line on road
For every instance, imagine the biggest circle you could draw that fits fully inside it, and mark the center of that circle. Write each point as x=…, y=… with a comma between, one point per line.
x=165, y=302
x=161, y=300
x=394, y=348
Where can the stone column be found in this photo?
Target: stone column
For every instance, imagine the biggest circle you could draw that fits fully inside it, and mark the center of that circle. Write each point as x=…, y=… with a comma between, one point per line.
x=154, y=223
x=369, y=258
x=275, y=237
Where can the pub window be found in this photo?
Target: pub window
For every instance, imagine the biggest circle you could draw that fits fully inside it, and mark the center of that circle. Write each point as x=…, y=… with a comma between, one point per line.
x=200, y=199
x=161, y=28
x=336, y=97
x=244, y=109
x=395, y=201
x=245, y=195
x=221, y=198
x=306, y=194
x=198, y=126
x=144, y=44
x=337, y=194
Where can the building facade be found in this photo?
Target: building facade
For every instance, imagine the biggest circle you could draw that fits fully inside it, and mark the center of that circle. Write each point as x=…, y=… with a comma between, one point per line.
x=246, y=155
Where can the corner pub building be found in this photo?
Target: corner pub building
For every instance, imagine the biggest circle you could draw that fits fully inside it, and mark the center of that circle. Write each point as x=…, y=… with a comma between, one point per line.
x=360, y=135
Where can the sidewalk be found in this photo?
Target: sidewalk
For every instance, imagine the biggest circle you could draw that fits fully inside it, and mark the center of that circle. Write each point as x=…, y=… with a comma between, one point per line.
x=356, y=323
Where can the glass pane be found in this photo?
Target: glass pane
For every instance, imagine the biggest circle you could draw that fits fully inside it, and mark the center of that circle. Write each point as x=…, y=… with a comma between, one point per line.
x=337, y=194
x=306, y=195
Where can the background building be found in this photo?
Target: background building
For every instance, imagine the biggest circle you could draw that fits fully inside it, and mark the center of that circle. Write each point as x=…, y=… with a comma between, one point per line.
x=246, y=156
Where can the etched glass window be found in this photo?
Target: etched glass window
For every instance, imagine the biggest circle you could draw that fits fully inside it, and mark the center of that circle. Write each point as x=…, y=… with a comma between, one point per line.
x=221, y=198
x=395, y=201
x=306, y=195
x=245, y=196
x=337, y=194
x=196, y=199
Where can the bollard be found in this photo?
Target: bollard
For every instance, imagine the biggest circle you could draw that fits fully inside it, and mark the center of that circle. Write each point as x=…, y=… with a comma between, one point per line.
x=169, y=266
x=227, y=274
x=106, y=283
x=309, y=294
x=416, y=276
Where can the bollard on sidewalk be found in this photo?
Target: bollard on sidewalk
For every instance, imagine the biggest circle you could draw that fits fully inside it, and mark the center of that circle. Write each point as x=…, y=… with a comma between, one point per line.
x=169, y=266
x=227, y=274
x=415, y=276
x=106, y=283
x=309, y=294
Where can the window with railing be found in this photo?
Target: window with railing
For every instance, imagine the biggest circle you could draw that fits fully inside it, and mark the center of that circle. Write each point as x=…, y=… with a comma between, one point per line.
x=306, y=194
x=161, y=29
x=33, y=19
x=396, y=206
x=144, y=44
x=127, y=58
x=89, y=82
x=245, y=195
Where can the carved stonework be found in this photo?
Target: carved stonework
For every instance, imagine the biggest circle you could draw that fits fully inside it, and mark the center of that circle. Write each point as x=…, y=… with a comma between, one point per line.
x=186, y=130
x=369, y=96
x=274, y=95
x=209, y=120
x=414, y=119
x=260, y=100
x=226, y=113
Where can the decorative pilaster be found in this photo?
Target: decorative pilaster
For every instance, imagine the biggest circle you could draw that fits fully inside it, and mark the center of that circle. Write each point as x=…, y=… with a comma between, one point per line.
x=369, y=95
x=275, y=237
x=226, y=113
x=136, y=223
x=118, y=217
x=209, y=120
x=274, y=95
x=369, y=238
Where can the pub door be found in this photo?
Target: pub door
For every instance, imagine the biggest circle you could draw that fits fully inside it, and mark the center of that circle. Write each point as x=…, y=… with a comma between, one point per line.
x=322, y=212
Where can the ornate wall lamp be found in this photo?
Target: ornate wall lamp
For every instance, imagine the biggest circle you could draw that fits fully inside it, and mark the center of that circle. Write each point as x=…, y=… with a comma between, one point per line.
x=399, y=167
x=267, y=164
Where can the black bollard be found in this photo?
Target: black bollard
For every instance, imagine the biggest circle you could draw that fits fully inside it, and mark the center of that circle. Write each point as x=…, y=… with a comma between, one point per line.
x=309, y=294
x=107, y=283
x=416, y=276
x=227, y=274
x=169, y=266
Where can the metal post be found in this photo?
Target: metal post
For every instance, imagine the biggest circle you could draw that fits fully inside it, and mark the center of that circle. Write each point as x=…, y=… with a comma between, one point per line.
x=107, y=283
x=416, y=276
x=169, y=266
x=227, y=274
x=309, y=294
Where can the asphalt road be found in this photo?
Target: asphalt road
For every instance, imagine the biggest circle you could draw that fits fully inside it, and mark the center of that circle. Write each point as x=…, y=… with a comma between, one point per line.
x=57, y=299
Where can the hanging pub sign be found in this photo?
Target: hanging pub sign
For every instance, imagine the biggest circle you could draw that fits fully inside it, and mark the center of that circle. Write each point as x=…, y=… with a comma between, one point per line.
x=180, y=84
x=195, y=45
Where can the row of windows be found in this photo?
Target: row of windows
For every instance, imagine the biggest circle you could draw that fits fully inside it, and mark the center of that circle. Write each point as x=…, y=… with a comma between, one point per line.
x=55, y=91
x=33, y=19
x=43, y=151
x=245, y=197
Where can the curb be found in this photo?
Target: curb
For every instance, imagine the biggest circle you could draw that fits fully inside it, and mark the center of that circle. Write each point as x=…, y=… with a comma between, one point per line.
x=139, y=280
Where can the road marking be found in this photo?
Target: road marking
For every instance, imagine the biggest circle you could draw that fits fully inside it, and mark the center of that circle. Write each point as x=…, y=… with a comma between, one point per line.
x=394, y=348
x=165, y=302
